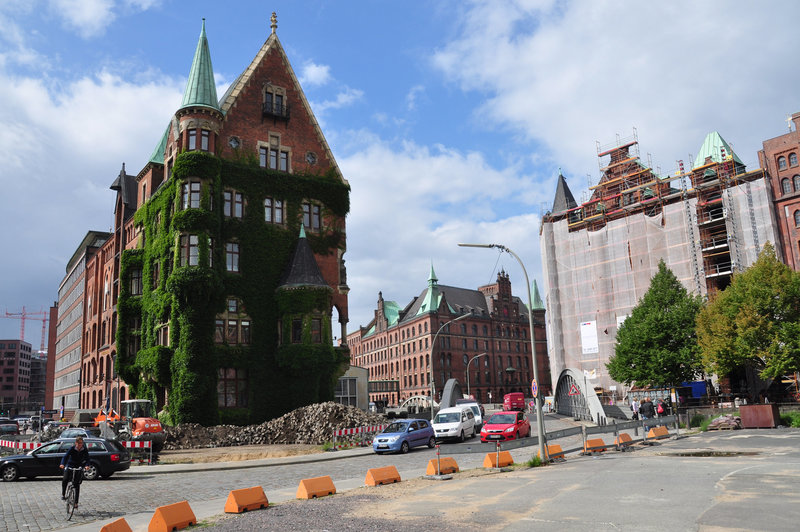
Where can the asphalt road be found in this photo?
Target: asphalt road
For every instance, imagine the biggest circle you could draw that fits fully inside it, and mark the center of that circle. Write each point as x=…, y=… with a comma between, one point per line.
x=653, y=488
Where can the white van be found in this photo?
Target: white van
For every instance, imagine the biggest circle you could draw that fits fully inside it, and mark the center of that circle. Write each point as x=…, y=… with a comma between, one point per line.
x=457, y=423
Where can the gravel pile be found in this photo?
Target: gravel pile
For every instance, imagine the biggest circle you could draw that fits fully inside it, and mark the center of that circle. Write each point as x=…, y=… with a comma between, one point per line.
x=313, y=424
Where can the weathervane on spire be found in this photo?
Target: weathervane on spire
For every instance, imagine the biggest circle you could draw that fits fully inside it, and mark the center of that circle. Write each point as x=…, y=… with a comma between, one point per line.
x=274, y=20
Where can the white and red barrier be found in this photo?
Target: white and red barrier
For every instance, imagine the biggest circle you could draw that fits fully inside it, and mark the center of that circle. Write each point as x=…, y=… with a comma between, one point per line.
x=363, y=442
x=20, y=444
x=146, y=444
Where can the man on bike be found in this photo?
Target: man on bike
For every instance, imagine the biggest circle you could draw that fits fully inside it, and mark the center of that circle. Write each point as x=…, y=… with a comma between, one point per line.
x=77, y=456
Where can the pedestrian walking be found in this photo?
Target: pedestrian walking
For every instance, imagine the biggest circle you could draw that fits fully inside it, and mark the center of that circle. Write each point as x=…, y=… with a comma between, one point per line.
x=646, y=409
x=635, y=408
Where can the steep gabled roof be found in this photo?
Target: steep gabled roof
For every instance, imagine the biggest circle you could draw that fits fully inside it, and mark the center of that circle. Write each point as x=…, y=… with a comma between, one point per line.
x=302, y=270
x=711, y=148
x=126, y=186
x=564, y=199
x=200, y=87
x=228, y=100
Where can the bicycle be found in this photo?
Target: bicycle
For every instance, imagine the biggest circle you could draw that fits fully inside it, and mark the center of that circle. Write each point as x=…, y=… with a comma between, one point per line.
x=70, y=496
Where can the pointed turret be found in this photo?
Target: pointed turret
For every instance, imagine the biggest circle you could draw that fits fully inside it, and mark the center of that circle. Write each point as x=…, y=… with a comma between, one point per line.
x=433, y=297
x=200, y=87
x=302, y=270
x=713, y=148
x=564, y=199
x=538, y=304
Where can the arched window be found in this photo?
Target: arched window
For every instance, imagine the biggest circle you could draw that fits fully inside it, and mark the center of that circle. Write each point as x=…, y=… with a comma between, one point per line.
x=786, y=186
x=796, y=180
x=797, y=218
x=792, y=159
x=781, y=162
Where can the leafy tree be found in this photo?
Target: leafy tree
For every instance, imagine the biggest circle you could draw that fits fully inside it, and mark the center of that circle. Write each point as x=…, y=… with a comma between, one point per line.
x=755, y=321
x=656, y=344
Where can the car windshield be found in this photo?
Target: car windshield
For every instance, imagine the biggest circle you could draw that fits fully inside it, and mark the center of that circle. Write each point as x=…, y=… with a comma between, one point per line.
x=475, y=410
x=498, y=419
x=448, y=417
x=395, y=427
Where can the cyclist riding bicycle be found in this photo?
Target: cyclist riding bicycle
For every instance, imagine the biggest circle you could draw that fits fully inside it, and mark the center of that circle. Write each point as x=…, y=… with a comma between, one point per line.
x=76, y=457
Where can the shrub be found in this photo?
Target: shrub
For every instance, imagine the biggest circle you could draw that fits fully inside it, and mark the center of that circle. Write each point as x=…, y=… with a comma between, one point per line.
x=697, y=420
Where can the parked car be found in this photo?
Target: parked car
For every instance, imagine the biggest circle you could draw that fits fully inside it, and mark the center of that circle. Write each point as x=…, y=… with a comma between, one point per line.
x=514, y=401
x=457, y=422
x=477, y=410
x=9, y=429
x=74, y=432
x=504, y=426
x=106, y=457
x=401, y=436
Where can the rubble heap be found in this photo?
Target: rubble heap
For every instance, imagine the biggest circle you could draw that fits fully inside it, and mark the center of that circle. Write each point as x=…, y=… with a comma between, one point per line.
x=313, y=424
x=727, y=421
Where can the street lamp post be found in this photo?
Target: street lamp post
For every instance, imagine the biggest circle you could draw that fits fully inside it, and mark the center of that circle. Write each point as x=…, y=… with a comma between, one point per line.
x=433, y=350
x=539, y=422
x=468, y=363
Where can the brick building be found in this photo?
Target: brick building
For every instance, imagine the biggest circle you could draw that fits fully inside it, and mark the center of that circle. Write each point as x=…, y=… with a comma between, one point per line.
x=779, y=158
x=396, y=347
x=15, y=375
x=216, y=293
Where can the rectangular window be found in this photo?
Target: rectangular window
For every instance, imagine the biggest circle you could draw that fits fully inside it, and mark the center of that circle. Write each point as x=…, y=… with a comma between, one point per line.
x=268, y=101
x=231, y=388
x=311, y=217
x=232, y=256
x=284, y=161
x=190, y=195
x=316, y=331
x=192, y=139
x=227, y=202
x=297, y=331
x=262, y=157
x=232, y=333
x=136, y=282
x=238, y=205
x=189, y=250
x=273, y=159
x=245, y=328
x=219, y=331
x=204, y=136
x=233, y=305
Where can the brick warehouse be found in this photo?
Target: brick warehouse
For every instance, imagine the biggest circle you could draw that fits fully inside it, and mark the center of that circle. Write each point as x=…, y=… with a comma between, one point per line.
x=396, y=347
x=215, y=293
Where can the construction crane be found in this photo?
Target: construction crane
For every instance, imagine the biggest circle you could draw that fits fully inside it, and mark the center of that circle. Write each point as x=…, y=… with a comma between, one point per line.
x=25, y=315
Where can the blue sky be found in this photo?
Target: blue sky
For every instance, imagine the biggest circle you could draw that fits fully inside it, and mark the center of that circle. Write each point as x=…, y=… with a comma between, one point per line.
x=450, y=119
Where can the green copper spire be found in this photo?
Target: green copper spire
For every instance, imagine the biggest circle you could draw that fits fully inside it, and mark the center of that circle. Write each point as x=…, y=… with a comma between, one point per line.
x=432, y=295
x=713, y=147
x=538, y=304
x=302, y=231
x=200, y=88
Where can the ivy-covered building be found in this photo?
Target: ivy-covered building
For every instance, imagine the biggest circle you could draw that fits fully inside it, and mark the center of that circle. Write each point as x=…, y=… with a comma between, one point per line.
x=232, y=271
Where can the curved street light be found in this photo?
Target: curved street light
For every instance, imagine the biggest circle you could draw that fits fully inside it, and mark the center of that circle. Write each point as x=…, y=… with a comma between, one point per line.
x=433, y=350
x=468, y=363
x=539, y=422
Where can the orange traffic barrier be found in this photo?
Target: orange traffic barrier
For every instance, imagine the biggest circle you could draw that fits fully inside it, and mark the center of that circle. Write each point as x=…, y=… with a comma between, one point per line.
x=382, y=475
x=623, y=440
x=447, y=465
x=658, y=432
x=246, y=499
x=311, y=488
x=120, y=525
x=172, y=517
x=595, y=445
x=554, y=452
x=491, y=459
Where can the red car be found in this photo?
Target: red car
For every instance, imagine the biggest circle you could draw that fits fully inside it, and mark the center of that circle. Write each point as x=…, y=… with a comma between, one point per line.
x=504, y=426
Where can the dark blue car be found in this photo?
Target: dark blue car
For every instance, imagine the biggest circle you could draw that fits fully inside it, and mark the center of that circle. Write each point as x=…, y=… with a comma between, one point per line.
x=402, y=435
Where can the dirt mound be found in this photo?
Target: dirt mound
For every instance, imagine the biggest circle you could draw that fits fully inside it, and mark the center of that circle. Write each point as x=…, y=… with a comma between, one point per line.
x=313, y=424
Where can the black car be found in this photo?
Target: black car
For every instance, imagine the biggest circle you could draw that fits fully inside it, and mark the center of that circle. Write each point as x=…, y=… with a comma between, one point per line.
x=105, y=458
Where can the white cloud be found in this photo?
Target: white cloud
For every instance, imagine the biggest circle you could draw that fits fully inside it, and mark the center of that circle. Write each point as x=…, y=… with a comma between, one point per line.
x=345, y=98
x=567, y=75
x=314, y=74
x=412, y=96
x=89, y=18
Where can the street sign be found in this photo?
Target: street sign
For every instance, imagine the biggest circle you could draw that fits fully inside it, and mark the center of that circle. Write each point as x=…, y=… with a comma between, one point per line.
x=573, y=390
x=534, y=388
x=49, y=411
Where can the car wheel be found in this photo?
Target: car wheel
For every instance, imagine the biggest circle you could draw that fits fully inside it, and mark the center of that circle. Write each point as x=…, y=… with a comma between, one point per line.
x=404, y=447
x=461, y=437
x=9, y=473
x=92, y=472
x=432, y=443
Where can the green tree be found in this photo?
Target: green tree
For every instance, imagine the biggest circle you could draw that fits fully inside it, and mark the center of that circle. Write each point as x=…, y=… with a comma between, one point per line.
x=656, y=344
x=755, y=321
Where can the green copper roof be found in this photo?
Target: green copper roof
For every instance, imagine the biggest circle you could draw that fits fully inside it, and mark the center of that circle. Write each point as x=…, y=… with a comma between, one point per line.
x=711, y=148
x=158, y=154
x=200, y=88
x=391, y=311
x=537, y=299
x=432, y=295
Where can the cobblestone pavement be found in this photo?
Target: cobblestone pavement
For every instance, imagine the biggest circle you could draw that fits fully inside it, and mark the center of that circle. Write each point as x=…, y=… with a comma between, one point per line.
x=33, y=505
